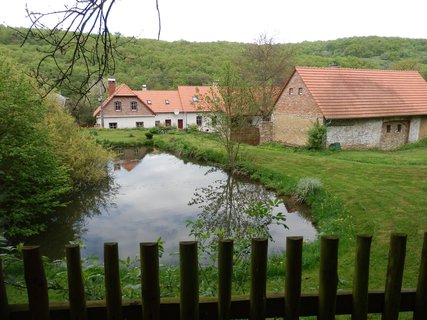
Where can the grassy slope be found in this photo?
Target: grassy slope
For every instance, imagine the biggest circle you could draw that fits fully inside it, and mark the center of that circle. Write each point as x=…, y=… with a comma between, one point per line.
x=383, y=191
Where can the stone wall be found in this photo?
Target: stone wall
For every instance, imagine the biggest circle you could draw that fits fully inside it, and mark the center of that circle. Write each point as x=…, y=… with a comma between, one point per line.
x=265, y=132
x=355, y=133
x=423, y=128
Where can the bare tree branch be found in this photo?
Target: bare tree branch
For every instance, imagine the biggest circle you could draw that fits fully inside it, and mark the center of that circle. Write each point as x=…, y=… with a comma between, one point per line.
x=160, y=21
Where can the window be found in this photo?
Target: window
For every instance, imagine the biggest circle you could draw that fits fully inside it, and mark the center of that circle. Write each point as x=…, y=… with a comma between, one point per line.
x=399, y=128
x=157, y=123
x=291, y=91
x=118, y=105
x=300, y=91
x=167, y=101
x=199, y=120
x=140, y=124
x=148, y=101
x=388, y=128
x=195, y=98
x=112, y=125
x=133, y=106
x=168, y=122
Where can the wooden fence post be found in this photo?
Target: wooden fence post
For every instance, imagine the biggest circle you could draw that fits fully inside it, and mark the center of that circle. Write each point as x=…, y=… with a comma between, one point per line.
x=293, y=277
x=113, y=291
x=76, y=290
x=150, y=286
x=258, y=295
x=189, y=280
x=420, y=311
x=225, y=272
x=393, y=285
x=328, y=277
x=4, y=305
x=361, y=278
x=35, y=279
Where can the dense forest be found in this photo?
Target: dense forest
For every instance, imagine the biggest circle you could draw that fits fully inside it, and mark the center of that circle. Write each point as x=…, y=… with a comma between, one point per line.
x=165, y=65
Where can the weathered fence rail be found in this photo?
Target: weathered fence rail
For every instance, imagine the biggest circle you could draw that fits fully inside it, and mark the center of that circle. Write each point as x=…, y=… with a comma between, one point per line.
x=258, y=305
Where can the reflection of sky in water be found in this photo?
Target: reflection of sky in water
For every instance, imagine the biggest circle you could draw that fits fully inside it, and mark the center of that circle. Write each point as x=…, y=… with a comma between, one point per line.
x=153, y=202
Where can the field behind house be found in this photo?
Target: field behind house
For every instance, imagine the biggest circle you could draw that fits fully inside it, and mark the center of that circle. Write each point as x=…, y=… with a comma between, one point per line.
x=383, y=191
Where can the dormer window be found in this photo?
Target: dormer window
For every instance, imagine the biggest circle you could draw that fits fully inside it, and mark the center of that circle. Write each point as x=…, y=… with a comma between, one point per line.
x=195, y=98
x=149, y=102
x=133, y=106
x=167, y=101
x=291, y=91
x=300, y=91
x=118, y=105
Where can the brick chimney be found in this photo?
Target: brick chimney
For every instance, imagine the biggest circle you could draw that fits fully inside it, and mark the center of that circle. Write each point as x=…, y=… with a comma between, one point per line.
x=111, y=86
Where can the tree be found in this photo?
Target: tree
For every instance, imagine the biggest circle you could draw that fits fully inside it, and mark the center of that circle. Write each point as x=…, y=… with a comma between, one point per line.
x=266, y=65
x=229, y=103
x=32, y=178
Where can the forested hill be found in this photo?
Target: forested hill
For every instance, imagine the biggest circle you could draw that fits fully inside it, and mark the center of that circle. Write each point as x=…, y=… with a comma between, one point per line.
x=164, y=65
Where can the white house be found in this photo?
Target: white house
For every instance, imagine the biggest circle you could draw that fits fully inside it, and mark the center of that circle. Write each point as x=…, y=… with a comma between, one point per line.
x=127, y=108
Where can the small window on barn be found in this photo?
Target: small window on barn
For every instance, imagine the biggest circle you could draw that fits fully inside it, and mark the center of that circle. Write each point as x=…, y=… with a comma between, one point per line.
x=388, y=128
x=167, y=101
x=399, y=128
x=133, y=106
x=157, y=123
x=168, y=122
x=149, y=102
x=140, y=124
x=118, y=105
x=291, y=91
x=300, y=91
x=199, y=120
x=112, y=125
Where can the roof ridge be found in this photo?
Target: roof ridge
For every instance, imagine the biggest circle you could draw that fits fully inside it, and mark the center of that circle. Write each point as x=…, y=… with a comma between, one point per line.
x=354, y=69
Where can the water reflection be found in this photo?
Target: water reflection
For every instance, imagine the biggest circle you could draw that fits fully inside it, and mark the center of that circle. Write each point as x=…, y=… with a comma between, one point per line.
x=150, y=199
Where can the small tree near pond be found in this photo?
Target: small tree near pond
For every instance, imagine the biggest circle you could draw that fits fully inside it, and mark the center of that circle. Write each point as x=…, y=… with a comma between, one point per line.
x=230, y=106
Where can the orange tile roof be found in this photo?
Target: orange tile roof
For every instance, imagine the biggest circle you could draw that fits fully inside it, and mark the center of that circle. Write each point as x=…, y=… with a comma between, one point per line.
x=186, y=94
x=159, y=99
x=360, y=93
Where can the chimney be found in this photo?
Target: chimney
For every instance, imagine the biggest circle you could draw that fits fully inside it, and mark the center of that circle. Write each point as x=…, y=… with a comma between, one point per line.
x=111, y=86
x=144, y=87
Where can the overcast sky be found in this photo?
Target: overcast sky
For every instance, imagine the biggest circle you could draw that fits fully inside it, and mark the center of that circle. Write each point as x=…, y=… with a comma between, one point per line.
x=244, y=20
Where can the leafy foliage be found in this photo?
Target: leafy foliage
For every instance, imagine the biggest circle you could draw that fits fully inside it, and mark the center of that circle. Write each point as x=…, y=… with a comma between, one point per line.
x=32, y=178
x=316, y=136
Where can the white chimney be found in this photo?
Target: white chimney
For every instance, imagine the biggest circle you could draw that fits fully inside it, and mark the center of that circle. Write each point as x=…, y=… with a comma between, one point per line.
x=144, y=87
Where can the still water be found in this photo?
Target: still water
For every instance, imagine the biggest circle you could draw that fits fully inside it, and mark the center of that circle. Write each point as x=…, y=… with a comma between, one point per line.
x=154, y=195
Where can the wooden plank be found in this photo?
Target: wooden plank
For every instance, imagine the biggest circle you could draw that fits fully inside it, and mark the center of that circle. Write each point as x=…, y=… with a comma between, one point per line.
x=361, y=278
x=225, y=272
x=258, y=295
x=150, y=286
x=76, y=291
x=189, y=280
x=4, y=305
x=293, y=277
x=113, y=292
x=328, y=277
x=393, y=285
x=421, y=300
x=35, y=279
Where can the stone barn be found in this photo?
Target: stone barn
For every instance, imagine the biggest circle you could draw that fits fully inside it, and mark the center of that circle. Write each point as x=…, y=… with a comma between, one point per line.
x=361, y=108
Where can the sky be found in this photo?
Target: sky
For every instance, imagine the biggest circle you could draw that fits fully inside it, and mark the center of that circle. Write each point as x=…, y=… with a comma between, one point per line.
x=244, y=20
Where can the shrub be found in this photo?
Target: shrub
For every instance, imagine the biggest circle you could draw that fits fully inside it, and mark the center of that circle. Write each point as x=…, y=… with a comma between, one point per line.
x=316, y=136
x=307, y=187
x=149, y=135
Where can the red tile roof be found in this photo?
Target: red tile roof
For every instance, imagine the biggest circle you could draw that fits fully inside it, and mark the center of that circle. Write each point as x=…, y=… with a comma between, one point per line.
x=359, y=93
x=181, y=99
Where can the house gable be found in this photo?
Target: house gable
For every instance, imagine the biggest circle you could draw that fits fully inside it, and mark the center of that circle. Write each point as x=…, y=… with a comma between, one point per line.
x=130, y=106
x=295, y=112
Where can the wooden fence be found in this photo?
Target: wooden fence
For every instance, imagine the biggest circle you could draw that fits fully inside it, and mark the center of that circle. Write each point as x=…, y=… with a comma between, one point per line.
x=258, y=305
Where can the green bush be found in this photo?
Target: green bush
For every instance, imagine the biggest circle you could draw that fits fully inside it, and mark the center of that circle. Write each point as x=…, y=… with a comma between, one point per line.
x=316, y=136
x=149, y=135
x=307, y=187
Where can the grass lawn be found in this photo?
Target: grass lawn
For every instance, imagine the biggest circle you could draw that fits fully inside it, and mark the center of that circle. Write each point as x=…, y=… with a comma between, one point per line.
x=384, y=192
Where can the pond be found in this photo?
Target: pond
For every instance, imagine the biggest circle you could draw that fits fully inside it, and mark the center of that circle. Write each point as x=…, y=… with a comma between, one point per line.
x=154, y=195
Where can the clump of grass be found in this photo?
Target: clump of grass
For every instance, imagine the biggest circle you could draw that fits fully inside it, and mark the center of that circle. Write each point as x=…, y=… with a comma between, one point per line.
x=307, y=187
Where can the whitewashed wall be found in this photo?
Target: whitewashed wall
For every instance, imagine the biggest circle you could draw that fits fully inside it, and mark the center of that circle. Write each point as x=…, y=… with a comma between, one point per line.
x=366, y=132
x=414, y=130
